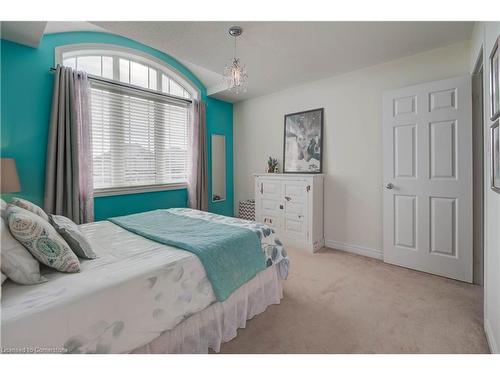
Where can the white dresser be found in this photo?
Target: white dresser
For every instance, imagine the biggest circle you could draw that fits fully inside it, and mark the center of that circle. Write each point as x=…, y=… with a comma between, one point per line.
x=292, y=204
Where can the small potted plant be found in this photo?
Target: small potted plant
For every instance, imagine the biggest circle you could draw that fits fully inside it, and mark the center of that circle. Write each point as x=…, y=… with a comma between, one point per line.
x=272, y=165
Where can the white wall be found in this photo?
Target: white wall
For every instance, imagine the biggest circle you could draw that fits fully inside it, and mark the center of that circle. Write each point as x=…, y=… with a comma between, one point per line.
x=484, y=35
x=352, y=138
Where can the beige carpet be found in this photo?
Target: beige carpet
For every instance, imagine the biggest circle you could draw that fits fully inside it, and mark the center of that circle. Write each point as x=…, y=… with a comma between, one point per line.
x=337, y=302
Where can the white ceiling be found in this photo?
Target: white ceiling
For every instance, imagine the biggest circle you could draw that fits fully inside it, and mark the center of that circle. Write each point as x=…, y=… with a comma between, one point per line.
x=279, y=55
x=64, y=26
x=28, y=33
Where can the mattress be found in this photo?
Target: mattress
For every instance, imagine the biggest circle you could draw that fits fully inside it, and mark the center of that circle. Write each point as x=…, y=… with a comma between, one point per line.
x=136, y=290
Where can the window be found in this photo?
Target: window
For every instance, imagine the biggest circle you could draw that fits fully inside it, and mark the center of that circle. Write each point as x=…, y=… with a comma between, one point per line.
x=128, y=70
x=101, y=66
x=139, y=139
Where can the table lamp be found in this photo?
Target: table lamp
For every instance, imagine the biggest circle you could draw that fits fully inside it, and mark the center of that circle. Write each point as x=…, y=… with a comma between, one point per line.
x=10, y=179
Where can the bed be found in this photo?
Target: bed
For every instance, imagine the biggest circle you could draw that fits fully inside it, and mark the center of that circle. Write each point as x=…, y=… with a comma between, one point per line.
x=139, y=296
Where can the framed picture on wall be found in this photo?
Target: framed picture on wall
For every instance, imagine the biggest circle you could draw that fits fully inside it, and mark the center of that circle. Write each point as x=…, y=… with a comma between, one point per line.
x=495, y=156
x=495, y=81
x=303, y=142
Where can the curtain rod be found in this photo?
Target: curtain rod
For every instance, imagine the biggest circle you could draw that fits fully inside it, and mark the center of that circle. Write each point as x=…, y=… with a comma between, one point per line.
x=132, y=87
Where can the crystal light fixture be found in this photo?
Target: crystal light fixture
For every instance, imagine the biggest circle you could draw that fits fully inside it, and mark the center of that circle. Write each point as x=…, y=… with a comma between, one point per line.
x=235, y=73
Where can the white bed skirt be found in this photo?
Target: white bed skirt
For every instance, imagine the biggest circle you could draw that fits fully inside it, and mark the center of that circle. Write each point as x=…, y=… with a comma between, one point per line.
x=220, y=321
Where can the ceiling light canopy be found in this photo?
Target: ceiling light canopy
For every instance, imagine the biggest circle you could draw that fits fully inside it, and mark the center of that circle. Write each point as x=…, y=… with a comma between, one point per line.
x=235, y=73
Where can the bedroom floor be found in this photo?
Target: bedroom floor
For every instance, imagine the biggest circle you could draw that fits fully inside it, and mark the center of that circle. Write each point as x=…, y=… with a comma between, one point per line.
x=336, y=302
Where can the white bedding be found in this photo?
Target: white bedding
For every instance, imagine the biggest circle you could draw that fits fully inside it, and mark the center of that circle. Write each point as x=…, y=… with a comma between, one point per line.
x=133, y=292
x=220, y=321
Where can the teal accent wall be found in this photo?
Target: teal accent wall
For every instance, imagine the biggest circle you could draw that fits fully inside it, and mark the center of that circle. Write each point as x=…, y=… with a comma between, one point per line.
x=26, y=97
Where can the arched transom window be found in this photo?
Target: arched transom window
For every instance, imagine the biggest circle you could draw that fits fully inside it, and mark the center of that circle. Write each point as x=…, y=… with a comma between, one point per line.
x=139, y=138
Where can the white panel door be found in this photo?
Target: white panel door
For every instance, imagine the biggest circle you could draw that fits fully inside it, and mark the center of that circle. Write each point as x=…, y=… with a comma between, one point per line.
x=427, y=163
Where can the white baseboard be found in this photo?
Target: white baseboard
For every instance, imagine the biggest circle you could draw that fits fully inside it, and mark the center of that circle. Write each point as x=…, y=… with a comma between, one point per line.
x=490, y=338
x=355, y=249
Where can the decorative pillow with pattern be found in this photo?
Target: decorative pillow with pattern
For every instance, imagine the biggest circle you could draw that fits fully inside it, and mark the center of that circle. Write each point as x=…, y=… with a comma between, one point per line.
x=42, y=240
x=73, y=236
x=27, y=205
x=17, y=262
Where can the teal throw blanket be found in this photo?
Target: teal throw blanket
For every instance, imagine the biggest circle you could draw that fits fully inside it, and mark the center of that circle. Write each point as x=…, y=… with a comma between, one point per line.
x=230, y=255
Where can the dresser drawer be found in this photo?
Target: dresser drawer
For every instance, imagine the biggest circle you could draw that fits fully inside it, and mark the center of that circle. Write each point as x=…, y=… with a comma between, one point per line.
x=271, y=221
x=295, y=227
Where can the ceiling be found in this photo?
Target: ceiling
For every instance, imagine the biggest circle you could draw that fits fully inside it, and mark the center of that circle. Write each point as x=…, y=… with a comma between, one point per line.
x=280, y=55
x=27, y=33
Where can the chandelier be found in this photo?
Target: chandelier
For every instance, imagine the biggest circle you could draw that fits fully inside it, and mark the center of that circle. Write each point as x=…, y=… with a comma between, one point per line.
x=235, y=73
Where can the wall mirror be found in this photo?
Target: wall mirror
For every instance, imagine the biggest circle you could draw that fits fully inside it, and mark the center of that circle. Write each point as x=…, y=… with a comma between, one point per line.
x=218, y=168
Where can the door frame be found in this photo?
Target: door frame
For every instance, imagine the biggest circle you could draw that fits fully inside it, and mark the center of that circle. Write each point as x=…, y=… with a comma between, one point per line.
x=478, y=155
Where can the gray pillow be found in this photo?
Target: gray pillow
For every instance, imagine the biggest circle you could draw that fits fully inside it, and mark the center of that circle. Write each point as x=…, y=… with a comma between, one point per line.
x=17, y=262
x=73, y=236
x=3, y=277
x=41, y=240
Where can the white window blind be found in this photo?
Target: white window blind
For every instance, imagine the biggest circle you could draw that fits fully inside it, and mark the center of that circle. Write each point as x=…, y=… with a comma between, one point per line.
x=138, y=139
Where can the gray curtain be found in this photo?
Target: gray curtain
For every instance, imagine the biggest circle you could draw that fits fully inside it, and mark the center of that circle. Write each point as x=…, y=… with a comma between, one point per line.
x=68, y=175
x=198, y=171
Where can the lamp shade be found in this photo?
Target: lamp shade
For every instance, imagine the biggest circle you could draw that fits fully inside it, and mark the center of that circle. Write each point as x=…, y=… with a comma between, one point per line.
x=10, y=179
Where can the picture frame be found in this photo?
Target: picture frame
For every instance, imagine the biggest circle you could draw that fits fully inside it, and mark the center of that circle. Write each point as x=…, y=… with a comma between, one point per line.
x=495, y=157
x=495, y=81
x=303, y=142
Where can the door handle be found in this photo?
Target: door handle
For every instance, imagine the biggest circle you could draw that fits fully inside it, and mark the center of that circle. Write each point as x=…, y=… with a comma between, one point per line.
x=261, y=187
x=288, y=198
x=389, y=186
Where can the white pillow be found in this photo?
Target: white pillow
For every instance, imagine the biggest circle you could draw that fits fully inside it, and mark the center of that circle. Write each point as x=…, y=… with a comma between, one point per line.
x=3, y=209
x=17, y=263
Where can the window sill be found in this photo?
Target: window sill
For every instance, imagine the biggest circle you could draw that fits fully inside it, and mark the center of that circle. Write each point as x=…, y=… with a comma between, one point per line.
x=126, y=190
